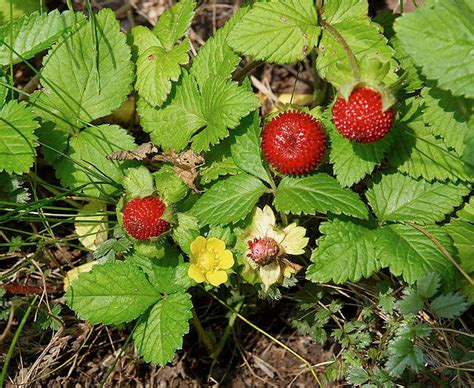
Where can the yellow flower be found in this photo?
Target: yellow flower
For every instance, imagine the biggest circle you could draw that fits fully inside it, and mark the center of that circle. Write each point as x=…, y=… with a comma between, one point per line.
x=268, y=245
x=209, y=260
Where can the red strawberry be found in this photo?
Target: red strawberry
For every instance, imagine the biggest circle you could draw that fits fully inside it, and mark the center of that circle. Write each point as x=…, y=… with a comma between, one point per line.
x=142, y=218
x=362, y=119
x=294, y=142
x=263, y=250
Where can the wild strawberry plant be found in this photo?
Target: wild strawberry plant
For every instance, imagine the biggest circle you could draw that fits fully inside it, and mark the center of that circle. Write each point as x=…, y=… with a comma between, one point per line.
x=373, y=178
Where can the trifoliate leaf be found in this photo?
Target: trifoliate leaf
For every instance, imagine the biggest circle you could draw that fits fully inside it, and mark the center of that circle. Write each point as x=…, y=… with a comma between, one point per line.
x=428, y=285
x=411, y=303
x=138, y=182
x=403, y=354
x=169, y=185
x=90, y=224
x=216, y=58
x=338, y=10
x=224, y=103
x=229, y=200
x=449, y=306
x=182, y=115
x=185, y=231
x=174, y=23
x=447, y=58
x=277, y=31
x=346, y=251
x=140, y=39
x=318, y=193
x=245, y=147
x=353, y=161
x=111, y=293
x=88, y=76
x=363, y=38
x=410, y=253
x=156, y=68
x=17, y=138
x=445, y=115
x=87, y=164
x=417, y=152
x=398, y=197
x=462, y=233
x=34, y=33
x=160, y=331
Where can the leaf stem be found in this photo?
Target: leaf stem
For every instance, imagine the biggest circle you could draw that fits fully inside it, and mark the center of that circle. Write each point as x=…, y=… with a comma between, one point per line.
x=14, y=341
x=278, y=342
x=443, y=249
x=240, y=74
x=204, y=337
x=350, y=55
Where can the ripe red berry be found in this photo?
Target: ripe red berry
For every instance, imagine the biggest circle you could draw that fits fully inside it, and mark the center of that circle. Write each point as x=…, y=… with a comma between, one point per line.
x=362, y=119
x=142, y=218
x=294, y=142
x=263, y=250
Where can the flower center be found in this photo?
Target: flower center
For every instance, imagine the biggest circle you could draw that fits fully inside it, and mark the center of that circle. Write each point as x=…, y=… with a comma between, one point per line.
x=208, y=260
x=263, y=250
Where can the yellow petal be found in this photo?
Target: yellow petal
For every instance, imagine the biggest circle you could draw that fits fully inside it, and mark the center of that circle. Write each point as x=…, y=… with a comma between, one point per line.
x=295, y=240
x=216, y=278
x=198, y=245
x=264, y=220
x=270, y=274
x=215, y=243
x=196, y=274
x=277, y=234
x=226, y=259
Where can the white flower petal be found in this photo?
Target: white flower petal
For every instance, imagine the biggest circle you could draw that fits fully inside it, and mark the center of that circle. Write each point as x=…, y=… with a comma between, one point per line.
x=264, y=220
x=270, y=274
x=295, y=240
x=277, y=234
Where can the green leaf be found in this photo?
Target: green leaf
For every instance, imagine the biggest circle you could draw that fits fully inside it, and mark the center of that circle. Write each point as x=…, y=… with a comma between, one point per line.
x=462, y=233
x=87, y=163
x=417, y=152
x=428, y=285
x=19, y=8
x=17, y=140
x=185, y=231
x=398, y=197
x=345, y=252
x=170, y=272
x=245, y=147
x=338, y=10
x=111, y=293
x=12, y=189
x=160, y=332
x=402, y=354
x=34, y=33
x=411, y=303
x=413, y=78
x=468, y=155
x=353, y=161
x=446, y=116
x=224, y=103
x=229, y=200
x=156, y=68
x=183, y=113
x=411, y=254
x=140, y=39
x=277, y=31
x=318, y=193
x=87, y=76
x=363, y=38
x=356, y=375
x=169, y=185
x=54, y=139
x=446, y=57
x=216, y=58
x=449, y=306
x=138, y=182
x=467, y=212
x=225, y=166
x=174, y=23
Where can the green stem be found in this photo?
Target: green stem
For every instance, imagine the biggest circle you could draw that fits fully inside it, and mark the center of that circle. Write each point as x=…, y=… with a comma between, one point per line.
x=239, y=75
x=227, y=332
x=297, y=355
x=203, y=336
x=350, y=55
x=15, y=340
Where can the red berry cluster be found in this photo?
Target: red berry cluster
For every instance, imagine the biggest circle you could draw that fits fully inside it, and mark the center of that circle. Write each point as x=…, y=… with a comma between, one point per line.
x=361, y=118
x=142, y=218
x=294, y=142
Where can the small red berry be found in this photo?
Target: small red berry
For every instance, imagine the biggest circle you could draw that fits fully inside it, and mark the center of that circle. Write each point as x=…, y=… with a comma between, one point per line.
x=263, y=250
x=362, y=119
x=142, y=218
x=294, y=142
